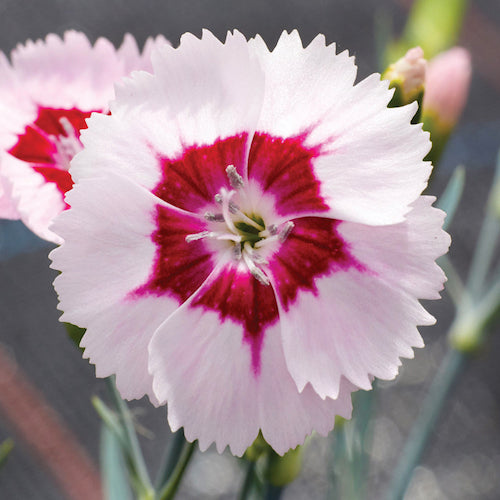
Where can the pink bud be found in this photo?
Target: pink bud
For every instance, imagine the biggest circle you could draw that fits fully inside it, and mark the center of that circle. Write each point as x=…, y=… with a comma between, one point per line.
x=447, y=85
x=411, y=68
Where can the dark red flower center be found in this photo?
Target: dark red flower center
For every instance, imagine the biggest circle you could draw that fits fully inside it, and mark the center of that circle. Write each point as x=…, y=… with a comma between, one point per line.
x=189, y=246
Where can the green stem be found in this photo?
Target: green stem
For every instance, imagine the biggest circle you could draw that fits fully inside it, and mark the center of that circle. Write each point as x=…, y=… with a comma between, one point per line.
x=442, y=384
x=113, y=470
x=174, y=450
x=169, y=490
x=350, y=441
x=273, y=492
x=136, y=460
x=488, y=237
x=454, y=285
x=249, y=481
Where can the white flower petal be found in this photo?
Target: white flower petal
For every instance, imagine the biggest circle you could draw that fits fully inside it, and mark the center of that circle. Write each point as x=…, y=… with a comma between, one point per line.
x=404, y=254
x=355, y=326
x=8, y=209
x=204, y=369
x=310, y=95
x=117, y=339
x=108, y=225
x=359, y=323
x=197, y=97
x=135, y=60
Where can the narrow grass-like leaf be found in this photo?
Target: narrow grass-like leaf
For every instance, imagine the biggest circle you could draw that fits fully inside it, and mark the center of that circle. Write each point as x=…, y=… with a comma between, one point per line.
x=452, y=195
x=113, y=468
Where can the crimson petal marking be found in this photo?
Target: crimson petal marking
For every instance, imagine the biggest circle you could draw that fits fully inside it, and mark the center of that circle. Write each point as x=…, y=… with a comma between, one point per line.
x=314, y=248
x=191, y=181
x=180, y=268
x=61, y=178
x=49, y=120
x=237, y=295
x=283, y=167
x=36, y=146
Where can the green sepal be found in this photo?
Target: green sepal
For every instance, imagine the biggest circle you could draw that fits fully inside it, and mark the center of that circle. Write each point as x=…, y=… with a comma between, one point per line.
x=282, y=470
x=400, y=98
x=440, y=133
x=75, y=333
x=258, y=448
x=272, y=468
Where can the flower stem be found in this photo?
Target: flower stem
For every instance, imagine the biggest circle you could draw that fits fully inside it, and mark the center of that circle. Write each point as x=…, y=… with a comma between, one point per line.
x=249, y=481
x=442, y=384
x=350, y=440
x=454, y=285
x=490, y=231
x=273, y=492
x=173, y=452
x=488, y=238
x=169, y=490
x=140, y=478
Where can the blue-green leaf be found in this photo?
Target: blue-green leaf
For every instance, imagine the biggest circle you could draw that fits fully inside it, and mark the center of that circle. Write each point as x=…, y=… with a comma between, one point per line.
x=113, y=468
x=451, y=196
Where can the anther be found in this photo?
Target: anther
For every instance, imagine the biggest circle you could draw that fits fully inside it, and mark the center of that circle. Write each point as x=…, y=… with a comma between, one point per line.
x=286, y=230
x=233, y=208
x=237, y=252
x=235, y=178
x=273, y=229
x=210, y=216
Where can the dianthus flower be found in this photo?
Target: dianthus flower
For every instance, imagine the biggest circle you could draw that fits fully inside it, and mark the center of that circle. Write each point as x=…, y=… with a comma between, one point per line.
x=256, y=244
x=46, y=94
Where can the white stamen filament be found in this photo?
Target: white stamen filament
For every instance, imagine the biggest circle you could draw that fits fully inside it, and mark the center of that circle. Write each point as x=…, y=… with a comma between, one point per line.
x=254, y=270
x=217, y=235
x=66, y=125
x=197, y=236
x=226, y=196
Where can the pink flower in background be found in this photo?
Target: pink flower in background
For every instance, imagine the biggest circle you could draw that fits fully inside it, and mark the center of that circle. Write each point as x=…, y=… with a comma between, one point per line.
x=447, y=85
x=246, y=239
x=47, y=92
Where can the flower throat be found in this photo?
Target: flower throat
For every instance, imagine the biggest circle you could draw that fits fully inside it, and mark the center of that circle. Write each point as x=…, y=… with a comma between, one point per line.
x=247, y=233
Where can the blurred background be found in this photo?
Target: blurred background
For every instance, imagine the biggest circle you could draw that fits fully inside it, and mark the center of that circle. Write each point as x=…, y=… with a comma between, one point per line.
x=47, y=371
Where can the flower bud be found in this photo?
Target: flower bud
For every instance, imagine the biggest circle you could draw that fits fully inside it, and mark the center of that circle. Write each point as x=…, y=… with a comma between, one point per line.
x=407, y=76
x=446, y=86
x=281, y=471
